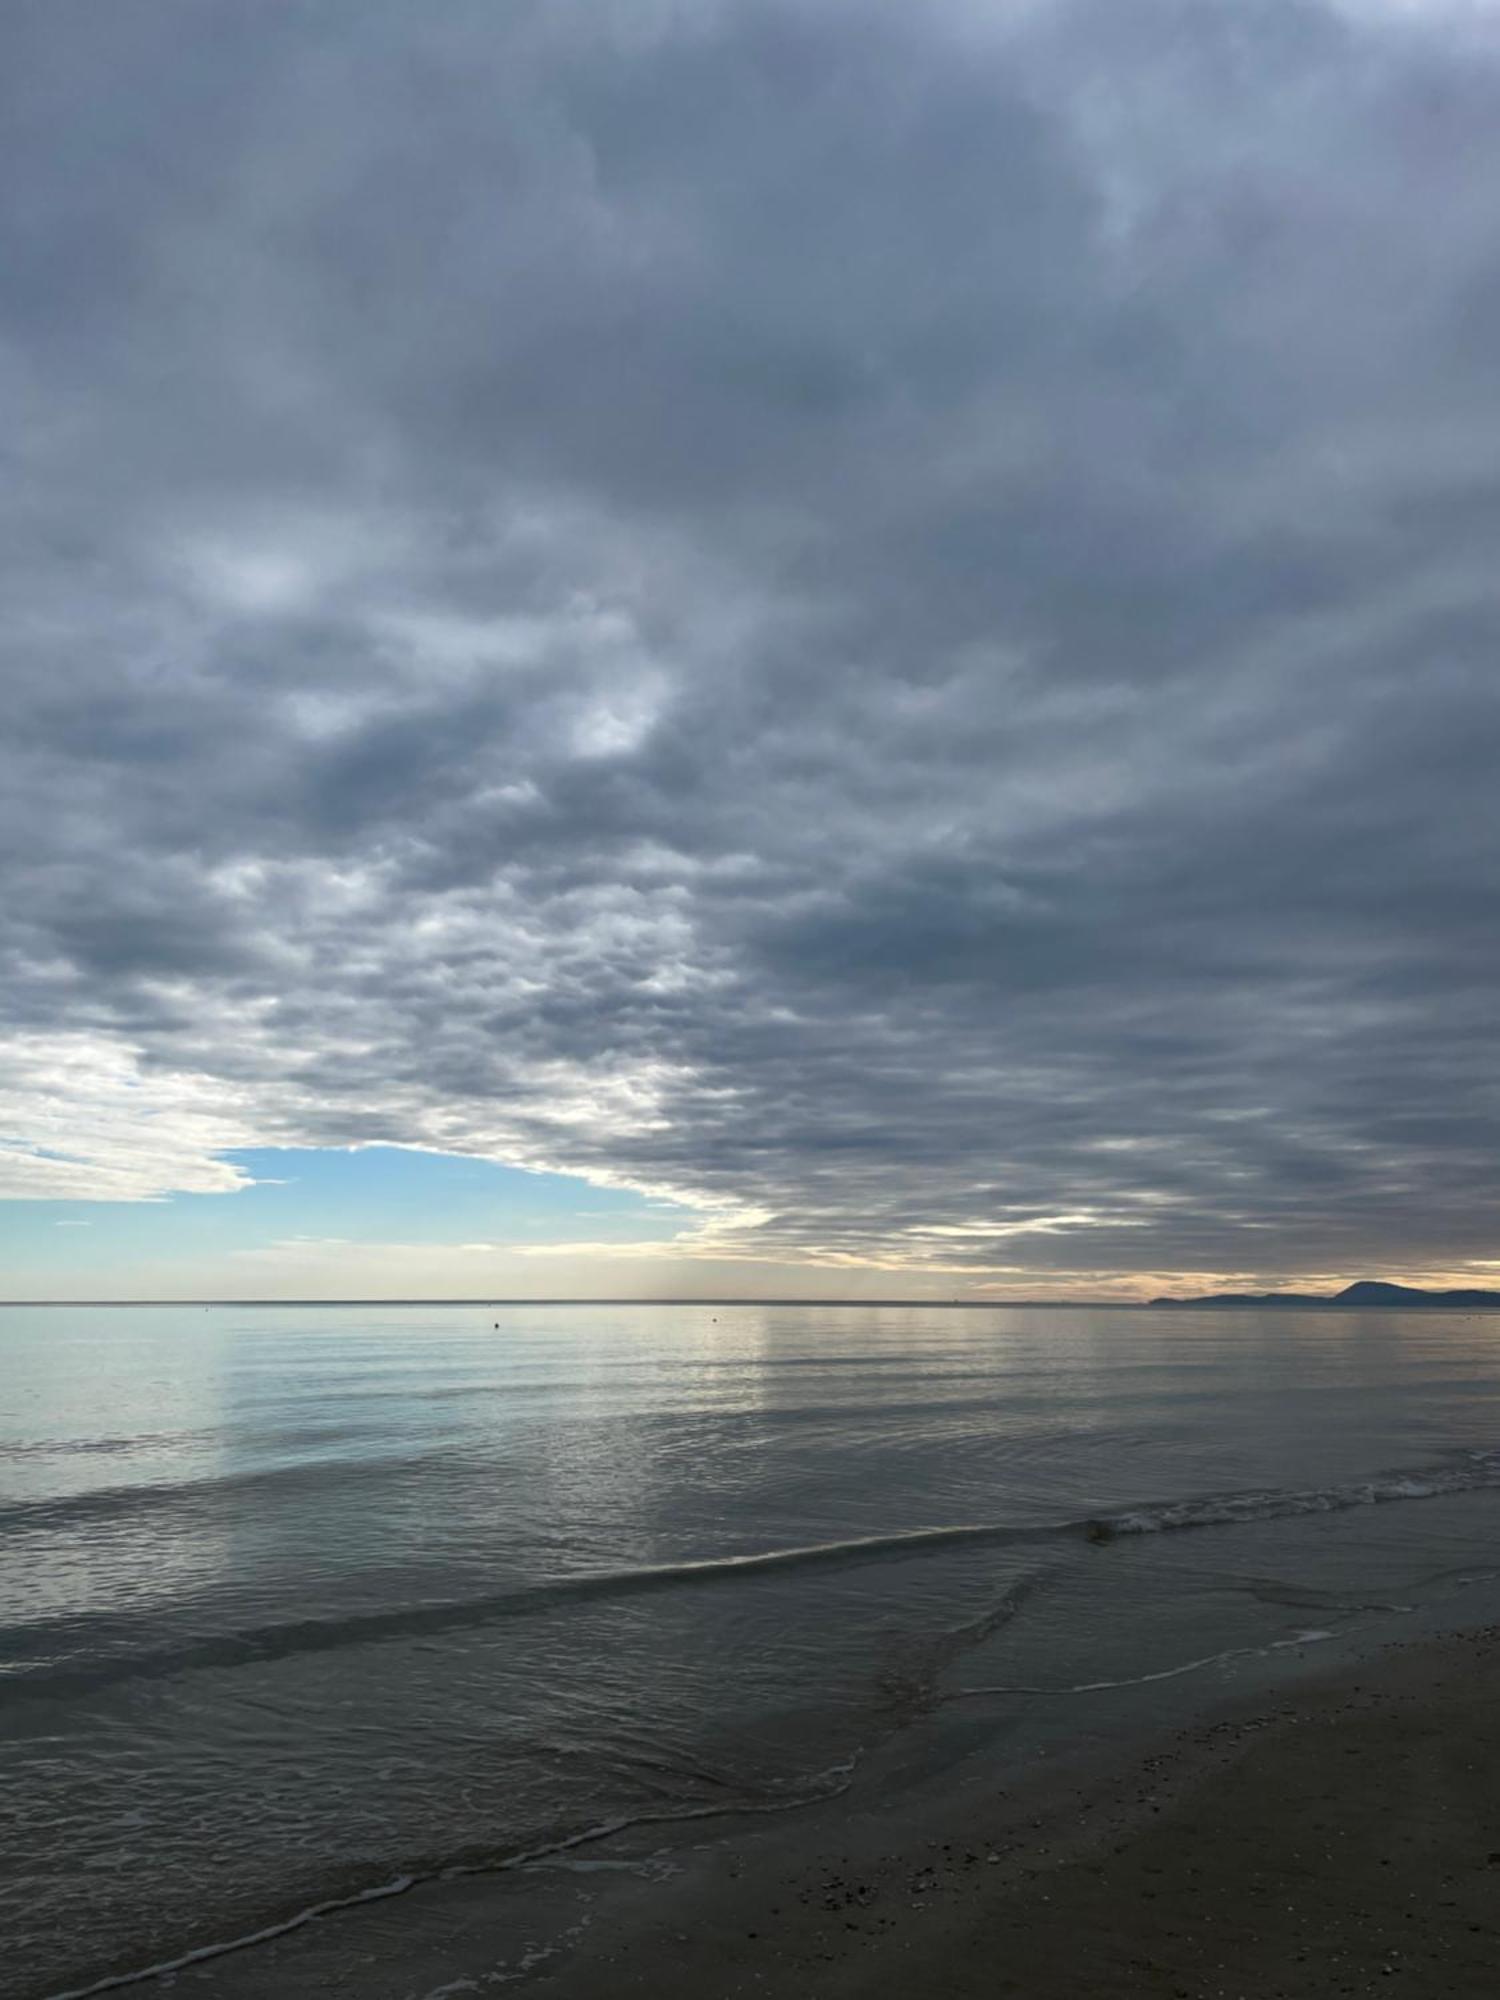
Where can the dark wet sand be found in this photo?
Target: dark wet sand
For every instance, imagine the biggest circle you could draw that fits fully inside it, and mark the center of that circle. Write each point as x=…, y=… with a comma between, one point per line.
x=1341, y=1838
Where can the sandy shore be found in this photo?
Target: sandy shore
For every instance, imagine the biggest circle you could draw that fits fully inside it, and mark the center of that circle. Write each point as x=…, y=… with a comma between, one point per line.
x=1341, y=1838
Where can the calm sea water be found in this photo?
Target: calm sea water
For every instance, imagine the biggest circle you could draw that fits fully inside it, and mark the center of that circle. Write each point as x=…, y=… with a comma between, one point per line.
x=298, y=1603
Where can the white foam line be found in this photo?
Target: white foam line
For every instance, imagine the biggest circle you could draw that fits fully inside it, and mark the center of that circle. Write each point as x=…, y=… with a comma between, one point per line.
x=1165, y=1674
x=399, y=1886
x=1274, y=1504
x=115, y=1980
x=1095, y=1687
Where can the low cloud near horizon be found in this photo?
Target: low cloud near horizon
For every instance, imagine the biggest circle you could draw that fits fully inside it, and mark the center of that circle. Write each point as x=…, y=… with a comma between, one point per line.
x=877, y=620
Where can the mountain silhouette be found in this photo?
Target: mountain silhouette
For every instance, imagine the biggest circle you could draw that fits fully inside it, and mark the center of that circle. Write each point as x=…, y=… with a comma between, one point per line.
x=1363, y=1292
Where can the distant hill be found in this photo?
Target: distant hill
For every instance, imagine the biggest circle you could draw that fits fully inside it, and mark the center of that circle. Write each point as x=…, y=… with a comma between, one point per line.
x=1363, y=1292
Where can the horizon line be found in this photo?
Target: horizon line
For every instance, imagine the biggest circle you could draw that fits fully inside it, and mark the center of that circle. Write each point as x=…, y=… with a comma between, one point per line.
x=1329, y=1301
x=564, y=1300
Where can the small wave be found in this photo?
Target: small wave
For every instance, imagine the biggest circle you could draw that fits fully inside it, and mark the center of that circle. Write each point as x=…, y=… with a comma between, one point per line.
x=100, y=1505
x=400, y=1885
x=1474, y=1472
x=50, y=1676
x=156, y=1442
x=1313, y=1638
x=315, y=1635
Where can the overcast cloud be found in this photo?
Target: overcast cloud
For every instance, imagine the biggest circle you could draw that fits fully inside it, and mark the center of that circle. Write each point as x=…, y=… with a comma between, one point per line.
x=881, y=618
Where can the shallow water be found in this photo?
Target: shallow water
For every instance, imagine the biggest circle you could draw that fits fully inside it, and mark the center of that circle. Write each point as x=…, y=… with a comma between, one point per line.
x=298, y=1602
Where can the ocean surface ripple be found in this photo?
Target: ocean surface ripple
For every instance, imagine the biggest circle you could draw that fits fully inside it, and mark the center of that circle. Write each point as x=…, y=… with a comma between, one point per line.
x=298, y=1606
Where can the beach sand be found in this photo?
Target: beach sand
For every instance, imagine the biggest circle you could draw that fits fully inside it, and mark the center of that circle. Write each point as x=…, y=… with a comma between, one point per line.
x=1341, y=1837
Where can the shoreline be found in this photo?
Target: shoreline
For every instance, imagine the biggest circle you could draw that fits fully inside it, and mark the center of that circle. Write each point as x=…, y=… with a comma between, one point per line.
x=1323, y=1838
x=1329, y=1836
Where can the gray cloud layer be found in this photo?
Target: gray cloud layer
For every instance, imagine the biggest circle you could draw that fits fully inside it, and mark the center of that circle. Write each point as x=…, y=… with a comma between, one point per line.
x=880, y=615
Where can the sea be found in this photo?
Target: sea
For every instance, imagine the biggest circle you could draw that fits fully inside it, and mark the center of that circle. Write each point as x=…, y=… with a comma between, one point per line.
x=300, y=1605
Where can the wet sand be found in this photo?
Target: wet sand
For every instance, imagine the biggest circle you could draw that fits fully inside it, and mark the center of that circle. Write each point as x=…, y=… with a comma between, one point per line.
x=1342, y=1837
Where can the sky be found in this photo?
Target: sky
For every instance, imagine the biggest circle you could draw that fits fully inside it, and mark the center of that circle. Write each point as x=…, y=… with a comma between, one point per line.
x=759, y=647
